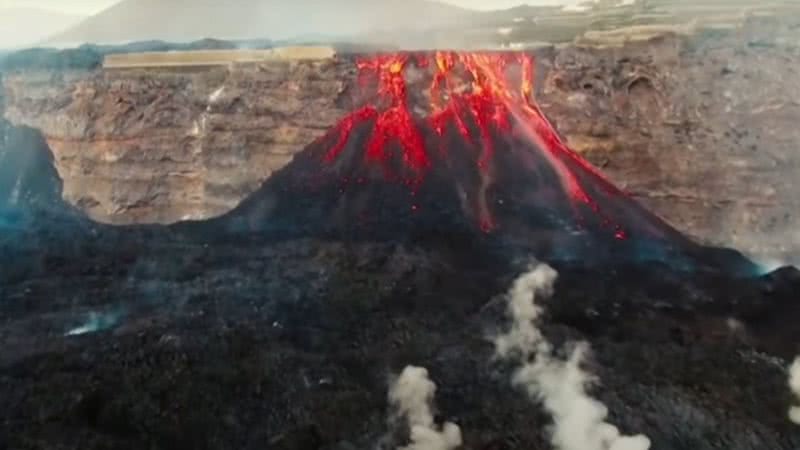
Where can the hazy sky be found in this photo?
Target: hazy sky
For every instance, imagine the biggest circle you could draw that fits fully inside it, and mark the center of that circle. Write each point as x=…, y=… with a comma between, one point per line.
x=92, y=6
x=68, y=6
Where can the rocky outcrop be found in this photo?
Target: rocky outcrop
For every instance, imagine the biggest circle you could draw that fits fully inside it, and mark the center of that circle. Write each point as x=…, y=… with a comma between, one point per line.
x=701, y=129
x=27, y=175
x=28, y=179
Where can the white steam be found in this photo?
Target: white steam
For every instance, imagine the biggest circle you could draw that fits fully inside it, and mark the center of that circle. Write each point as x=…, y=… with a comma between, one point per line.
x=96, y=322
x=794, y=385
x=579, y=420
x=411, y=396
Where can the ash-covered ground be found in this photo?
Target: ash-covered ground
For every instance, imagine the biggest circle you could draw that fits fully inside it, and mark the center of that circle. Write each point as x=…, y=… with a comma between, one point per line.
x=168, y=338
x=292, y=345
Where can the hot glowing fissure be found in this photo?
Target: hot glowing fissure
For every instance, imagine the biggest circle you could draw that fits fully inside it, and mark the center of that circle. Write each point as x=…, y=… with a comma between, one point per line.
x=467, y=88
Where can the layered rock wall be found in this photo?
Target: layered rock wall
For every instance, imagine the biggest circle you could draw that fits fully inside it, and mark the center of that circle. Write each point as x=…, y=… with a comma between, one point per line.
x=703, y=130
x=158, y=145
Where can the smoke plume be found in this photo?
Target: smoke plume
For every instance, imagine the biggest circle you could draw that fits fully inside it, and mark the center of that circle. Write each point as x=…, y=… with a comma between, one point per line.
x=579, y=420
x=411, y=396
x=794, y=385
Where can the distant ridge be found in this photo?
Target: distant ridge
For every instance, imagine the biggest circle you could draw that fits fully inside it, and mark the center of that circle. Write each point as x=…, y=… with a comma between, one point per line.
x=188, y=20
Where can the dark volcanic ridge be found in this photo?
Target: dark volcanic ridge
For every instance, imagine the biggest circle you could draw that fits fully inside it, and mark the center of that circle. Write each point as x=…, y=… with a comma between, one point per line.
x=30, y=188
x=476, y=162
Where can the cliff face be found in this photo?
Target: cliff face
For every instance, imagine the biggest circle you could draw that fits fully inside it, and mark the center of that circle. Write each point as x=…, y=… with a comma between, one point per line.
x=701, y=129
x=161, y=146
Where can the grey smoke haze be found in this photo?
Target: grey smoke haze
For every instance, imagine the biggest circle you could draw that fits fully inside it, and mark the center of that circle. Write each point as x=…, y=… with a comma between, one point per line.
x=188, y=20
x=578, y=419
x=411, y=396
x=382, y=21
x=95, y=6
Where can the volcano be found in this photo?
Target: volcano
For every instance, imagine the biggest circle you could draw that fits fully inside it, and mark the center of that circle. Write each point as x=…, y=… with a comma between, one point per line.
x=451, y=145
x=341, y=271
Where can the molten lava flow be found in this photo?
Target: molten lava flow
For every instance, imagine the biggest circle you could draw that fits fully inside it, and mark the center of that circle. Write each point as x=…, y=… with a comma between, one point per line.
x=471, y=94
x=394, y=123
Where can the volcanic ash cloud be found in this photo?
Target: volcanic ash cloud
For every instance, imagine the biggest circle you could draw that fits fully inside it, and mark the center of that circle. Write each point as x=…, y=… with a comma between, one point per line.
x=579, y=420
x=411, y=396
x=794, y=385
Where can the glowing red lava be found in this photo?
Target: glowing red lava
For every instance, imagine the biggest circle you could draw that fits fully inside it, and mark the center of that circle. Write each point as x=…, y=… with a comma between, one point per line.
x=470, y=92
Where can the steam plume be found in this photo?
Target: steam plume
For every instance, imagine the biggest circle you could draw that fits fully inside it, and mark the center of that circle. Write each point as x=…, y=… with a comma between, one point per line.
x=411, y=396
x=579, y=420
x=794, y=385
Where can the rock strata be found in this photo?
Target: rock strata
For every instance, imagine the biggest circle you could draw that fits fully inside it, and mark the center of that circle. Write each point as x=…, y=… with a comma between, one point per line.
x=161, y=146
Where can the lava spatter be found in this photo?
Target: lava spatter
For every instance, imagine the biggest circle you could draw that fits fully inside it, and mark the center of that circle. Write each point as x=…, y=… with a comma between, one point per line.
x=393, y=123
x=471, y=94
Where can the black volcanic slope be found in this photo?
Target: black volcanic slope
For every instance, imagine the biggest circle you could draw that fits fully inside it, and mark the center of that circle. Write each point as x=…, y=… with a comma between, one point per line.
x=484, y=170
x=30, y=188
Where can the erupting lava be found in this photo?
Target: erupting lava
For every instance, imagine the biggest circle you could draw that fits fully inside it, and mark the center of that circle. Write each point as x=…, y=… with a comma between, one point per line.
x=472, y=94
x=449, y=147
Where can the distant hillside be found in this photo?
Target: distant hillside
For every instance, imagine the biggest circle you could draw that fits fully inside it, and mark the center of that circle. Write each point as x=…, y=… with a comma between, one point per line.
x=21, y=27
x=188, y=20
x=90, y=56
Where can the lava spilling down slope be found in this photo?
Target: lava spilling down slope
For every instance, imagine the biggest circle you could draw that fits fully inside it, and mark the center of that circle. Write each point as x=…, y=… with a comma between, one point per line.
x=447, y=144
